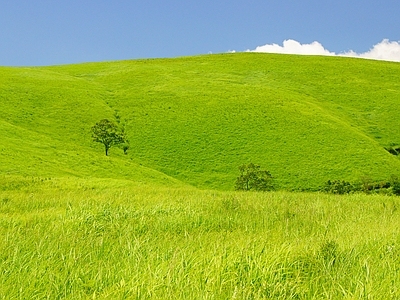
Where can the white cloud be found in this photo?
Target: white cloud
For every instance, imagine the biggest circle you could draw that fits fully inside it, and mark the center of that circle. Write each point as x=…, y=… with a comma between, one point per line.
x=294, y=47
x=385, y=50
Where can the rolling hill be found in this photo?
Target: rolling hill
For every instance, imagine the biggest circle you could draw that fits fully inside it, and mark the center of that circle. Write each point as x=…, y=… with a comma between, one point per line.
x=194, y=120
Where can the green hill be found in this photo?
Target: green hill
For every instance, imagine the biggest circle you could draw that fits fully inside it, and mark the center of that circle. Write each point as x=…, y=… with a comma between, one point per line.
x=194, y=120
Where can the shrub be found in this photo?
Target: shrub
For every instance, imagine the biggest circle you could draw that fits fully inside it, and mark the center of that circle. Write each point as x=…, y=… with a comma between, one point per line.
x=339, y=187
x=369, y=186
x=395, y=182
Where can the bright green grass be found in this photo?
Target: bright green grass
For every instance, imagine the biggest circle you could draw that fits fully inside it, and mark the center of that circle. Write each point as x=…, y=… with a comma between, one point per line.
x=102, y=239
x=196, y=119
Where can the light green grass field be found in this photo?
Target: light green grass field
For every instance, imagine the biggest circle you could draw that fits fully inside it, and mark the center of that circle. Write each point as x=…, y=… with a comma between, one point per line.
x=96, y=239
x=196, y=119
x=163, y=222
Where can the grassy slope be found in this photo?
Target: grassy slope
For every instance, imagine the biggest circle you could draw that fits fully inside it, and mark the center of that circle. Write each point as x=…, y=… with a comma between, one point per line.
x=195, y=119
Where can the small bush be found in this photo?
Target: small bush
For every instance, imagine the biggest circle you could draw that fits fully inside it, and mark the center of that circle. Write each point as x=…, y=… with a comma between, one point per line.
x=339, y=187
x=367, y=185
x=395, y=182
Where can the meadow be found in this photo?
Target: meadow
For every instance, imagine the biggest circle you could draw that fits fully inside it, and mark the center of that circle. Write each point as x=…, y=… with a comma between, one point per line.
x=164, y=221
x=194, y=120
x=102, y=239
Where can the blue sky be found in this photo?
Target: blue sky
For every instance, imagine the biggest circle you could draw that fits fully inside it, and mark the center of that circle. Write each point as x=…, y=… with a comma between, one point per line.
x=48, y=32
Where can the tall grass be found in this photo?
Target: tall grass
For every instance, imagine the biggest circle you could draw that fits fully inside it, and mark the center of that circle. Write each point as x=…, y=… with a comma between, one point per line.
x=110, y=240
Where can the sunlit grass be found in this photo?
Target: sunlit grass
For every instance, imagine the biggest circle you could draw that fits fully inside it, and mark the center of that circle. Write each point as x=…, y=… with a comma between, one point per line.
x=114, y=240
x=196, y=119
x=75, y=224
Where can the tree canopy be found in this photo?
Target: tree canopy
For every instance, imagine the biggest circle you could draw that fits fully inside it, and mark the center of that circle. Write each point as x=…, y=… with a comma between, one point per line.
x=253, y=178
x=109, y=134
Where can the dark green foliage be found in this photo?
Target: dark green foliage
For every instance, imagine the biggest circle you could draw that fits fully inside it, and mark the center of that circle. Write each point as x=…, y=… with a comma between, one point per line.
x=253, y=178
x=395, y=182
x=339, y=187
x=393, y=150
x=367, y=186
x=107, y=133
x=396, y=188
x=125, y=147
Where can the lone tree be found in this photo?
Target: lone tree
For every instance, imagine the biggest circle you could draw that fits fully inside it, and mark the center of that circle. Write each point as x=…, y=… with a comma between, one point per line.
x=253, y=178
x=107, y=133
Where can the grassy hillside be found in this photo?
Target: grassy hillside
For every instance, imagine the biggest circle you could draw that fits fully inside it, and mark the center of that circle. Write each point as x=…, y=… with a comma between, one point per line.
x=194, y=120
